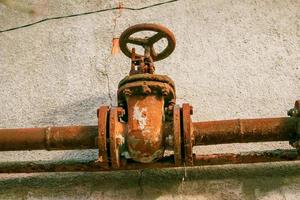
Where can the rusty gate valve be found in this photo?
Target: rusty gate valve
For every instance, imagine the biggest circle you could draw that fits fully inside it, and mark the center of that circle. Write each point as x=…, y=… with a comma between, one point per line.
x=147, y=120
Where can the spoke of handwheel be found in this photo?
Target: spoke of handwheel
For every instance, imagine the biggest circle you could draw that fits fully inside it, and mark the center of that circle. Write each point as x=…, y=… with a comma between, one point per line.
x=137, y=41
x=152, y=52
x=156, y=37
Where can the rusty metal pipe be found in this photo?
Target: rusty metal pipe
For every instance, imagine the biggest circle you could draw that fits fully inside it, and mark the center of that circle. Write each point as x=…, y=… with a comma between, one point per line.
x=50, y=138
x=199, y=160
x=245, y=130
x=205, y=133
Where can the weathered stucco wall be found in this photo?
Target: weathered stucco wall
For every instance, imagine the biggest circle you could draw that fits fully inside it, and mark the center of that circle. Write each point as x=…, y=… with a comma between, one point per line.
x=234, y=59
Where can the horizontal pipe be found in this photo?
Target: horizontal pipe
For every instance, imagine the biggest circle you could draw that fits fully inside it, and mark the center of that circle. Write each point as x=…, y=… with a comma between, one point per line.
x=168, y=162
x=245, y=130
x=205, y=133
x=50, y=138
x=247, y=157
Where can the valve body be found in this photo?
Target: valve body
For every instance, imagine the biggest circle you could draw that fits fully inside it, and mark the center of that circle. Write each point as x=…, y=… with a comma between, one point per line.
x=145, y=98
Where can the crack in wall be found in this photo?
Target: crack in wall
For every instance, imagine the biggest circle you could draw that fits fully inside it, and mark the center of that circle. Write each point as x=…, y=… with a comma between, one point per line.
x=105, y=74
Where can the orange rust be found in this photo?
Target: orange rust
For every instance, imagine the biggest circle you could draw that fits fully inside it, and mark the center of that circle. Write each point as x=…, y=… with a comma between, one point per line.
x=167, y=162
x=247, y=157
x=145, y=127
x=116, y=136
x=205, y=133
x=295, y=114
x=148, y=99
x=145, y=98
x=138, y=88
x=161, y=32
x=147, y=77
x=102, y=136
x=245, y=130
x=115, y=46
x=177, y=136
x=50, y=138
x=187, y=134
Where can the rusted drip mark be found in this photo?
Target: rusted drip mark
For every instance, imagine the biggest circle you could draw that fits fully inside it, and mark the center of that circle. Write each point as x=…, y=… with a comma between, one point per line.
x=167, y=162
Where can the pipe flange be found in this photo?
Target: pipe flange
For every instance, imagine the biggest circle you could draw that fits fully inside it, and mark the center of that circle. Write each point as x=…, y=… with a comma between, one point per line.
x=187, y=133
x=116, y=136
x=102, y=113
x=177, y=136
x=295, y=139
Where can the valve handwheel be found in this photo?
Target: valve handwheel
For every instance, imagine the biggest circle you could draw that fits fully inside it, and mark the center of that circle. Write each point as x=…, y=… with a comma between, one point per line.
x=148, y=43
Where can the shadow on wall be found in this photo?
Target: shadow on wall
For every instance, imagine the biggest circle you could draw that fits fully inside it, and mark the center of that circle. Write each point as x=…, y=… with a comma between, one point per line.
x=83, y=112
x=215, y=182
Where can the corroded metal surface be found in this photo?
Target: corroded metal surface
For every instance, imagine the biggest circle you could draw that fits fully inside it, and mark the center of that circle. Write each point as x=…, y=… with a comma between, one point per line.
x=117, y=131
x=146, y=85
x=147, y=77
x=161, y=32
x=295, y=113
x=187, y=134
x=245, y=130
x=177, y=136
x=167, y=162
x=148, y=99
x=102, y=136
x=50, y=138
x=247, y=157
x=145, y=128
x=205, y=133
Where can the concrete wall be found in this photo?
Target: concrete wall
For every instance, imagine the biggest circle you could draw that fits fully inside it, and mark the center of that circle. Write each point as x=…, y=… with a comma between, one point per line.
x=234, y=59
